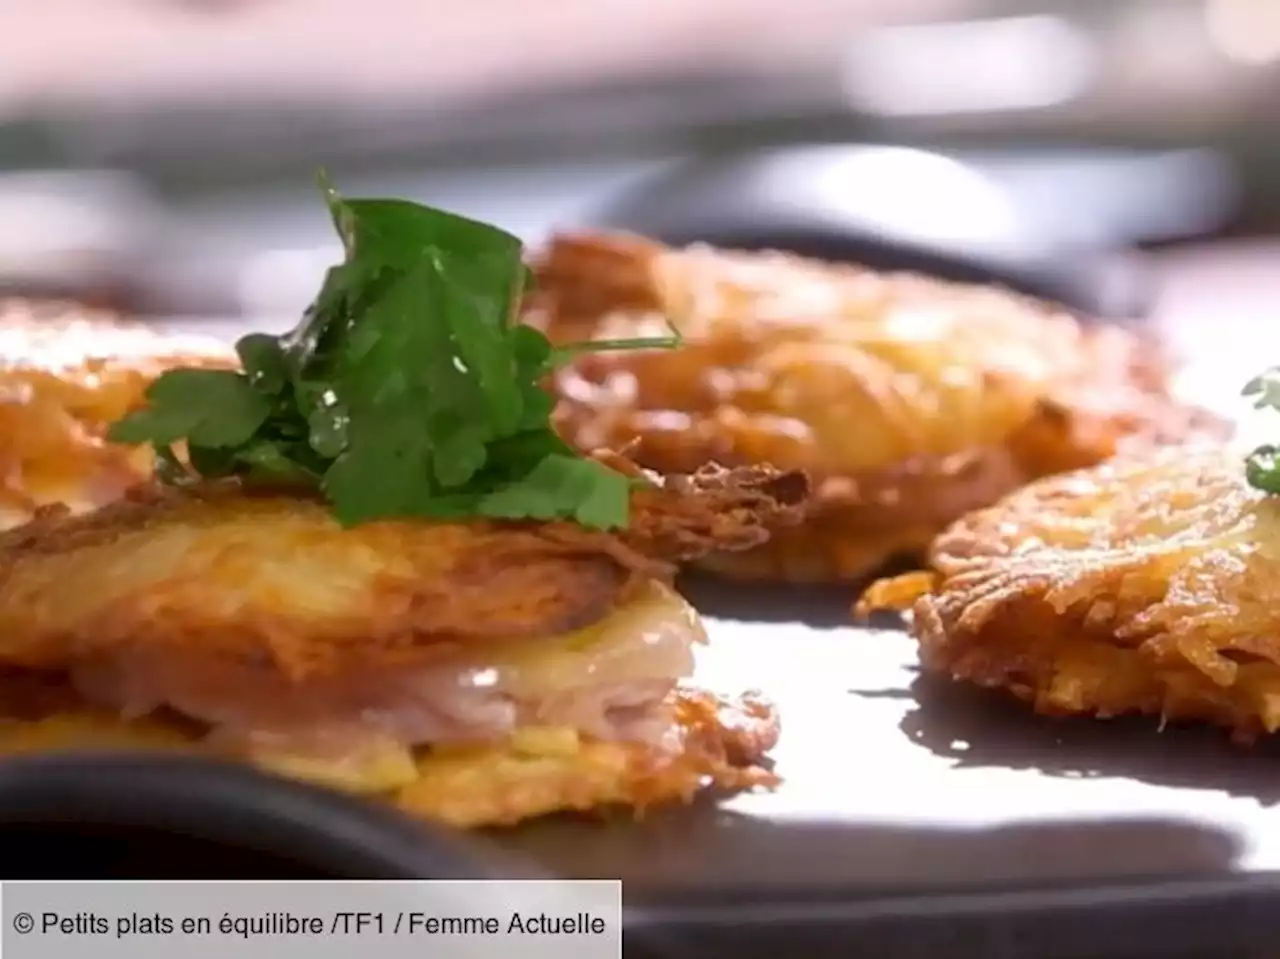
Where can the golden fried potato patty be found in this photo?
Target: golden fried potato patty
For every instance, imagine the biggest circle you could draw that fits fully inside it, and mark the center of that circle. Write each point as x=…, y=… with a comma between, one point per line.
x=66, y=373
x=910, y=401
x=716, y=742
x=274, y=580
x=1149, y=584
x=478, y=672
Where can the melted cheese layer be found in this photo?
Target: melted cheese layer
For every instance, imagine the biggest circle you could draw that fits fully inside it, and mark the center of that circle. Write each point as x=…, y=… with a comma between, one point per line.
x=607, y=680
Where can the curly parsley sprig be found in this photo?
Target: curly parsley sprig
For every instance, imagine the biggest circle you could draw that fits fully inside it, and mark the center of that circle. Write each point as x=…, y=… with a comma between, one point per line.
x=1262, y=466
x=409, y=388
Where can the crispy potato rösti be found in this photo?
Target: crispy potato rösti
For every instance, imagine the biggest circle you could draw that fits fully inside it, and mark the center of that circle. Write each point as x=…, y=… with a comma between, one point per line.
x=482, y=671
x=66, y=373
x=1149, y=584
x=909, y=400
x=216, y=571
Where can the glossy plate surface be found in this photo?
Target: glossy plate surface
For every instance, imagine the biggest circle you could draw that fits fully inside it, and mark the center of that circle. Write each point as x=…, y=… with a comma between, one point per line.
x=894, y=781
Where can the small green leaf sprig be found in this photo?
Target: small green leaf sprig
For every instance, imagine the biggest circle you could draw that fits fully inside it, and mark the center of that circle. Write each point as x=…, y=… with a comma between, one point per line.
x=1262, y=466
x=409, y=388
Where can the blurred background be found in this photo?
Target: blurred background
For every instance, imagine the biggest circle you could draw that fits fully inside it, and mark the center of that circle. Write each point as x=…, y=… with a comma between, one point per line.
x=1121, y=155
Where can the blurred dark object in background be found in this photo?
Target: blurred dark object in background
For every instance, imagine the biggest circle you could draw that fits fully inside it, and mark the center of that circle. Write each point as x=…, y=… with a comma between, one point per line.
x=1058, y=224
x=900, y=209
x=77, y=235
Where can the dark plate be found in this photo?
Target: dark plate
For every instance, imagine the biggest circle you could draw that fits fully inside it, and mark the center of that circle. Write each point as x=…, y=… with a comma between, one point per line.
x=886, y=208
x=123, y=815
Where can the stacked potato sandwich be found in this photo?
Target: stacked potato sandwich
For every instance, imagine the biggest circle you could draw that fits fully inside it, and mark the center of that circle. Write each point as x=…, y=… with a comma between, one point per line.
x=368, y=561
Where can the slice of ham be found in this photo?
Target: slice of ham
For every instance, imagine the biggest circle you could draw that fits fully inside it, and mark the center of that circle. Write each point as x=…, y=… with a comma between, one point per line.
x=607, y=681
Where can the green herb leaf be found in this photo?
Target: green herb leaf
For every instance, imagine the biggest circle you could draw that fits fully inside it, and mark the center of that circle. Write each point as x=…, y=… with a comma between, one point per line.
x=264, y=363
x=565, y=486
x=1265, y=389
x=209, y=407
x=1262, y=469
x=1262, y=466
x=408, y=388
x=566, y=354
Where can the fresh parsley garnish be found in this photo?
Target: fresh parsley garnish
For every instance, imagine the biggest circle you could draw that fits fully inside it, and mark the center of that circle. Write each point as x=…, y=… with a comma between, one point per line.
x=1262, y=466
x=408, y=389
